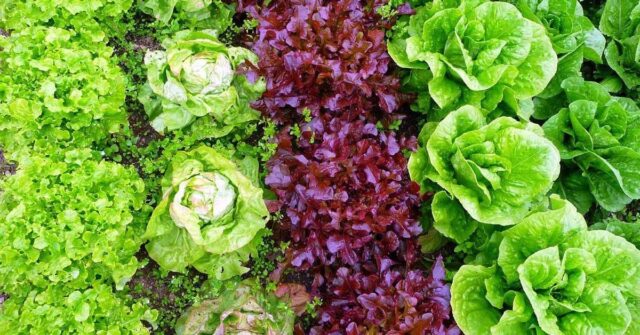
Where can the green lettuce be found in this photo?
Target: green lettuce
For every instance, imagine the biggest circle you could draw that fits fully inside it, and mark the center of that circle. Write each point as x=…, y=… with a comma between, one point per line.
x=70, y=222
x=61, y=310
x=242, y=308
x=196, y=77
x=620, y=21
x=598, y=139
x=211, y=216
x=491, y=173
x=572, y=34
x=210, y=14
x=84, y=15
x=477, y=52
x=553, y=276
x=64, y=89
x=629, y=230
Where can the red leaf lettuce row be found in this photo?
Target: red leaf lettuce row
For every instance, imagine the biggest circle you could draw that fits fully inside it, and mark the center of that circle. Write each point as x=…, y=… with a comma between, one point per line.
x=344, y=189
x=387, y=303
x=322, y=54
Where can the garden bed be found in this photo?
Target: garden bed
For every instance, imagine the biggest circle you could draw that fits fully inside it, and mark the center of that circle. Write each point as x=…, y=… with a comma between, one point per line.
x=319, y=167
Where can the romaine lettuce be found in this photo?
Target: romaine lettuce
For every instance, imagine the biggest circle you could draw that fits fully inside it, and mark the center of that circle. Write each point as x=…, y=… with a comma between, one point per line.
x=552, y=276
x=479, y=52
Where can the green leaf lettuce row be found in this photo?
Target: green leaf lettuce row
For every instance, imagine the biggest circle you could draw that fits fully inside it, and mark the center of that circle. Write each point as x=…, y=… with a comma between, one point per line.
x=59, y=310
x=211, y=216
x=620, y=20
x=495, y=172
x=196, y=77
x=479, y=52
x=598, y=136
x=81, y=14
x=242, y=308
x=69, y=222
x=553, y=276
x=61, y=91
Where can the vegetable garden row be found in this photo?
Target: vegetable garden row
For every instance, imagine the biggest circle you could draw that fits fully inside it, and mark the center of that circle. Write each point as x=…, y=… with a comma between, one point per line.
x=319, y=167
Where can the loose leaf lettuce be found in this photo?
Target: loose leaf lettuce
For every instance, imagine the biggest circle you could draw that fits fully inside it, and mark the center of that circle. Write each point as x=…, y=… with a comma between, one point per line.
x=61, y=310
x=479, y=52
x=87, y=15
x=69, y=222
x=63, y=89
x=196, y=76
x=495, y=172
x=552, y=276
x=211, y=216
x=597, y=135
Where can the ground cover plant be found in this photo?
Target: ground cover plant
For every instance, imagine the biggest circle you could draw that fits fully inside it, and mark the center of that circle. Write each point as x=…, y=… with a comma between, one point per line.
x=319, y=167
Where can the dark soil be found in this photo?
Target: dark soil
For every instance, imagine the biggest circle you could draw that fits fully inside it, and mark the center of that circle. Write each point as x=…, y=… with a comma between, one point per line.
x=6, y=168
x=149, y=284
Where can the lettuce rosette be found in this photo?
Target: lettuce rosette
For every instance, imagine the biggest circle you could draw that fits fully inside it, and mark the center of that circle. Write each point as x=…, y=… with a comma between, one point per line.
x=211, y=216
x=598, y=137
x=572, y=34
x=553, y=276
x=620, y=21
x=491, y=173
x=241, y=308
x=476, y=52
x=195, y=77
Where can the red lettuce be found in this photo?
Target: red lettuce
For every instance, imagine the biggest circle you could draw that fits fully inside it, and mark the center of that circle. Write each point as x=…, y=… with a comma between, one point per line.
x=390, y=302
x=322, y=54
x=344, y=189
x=349, y=209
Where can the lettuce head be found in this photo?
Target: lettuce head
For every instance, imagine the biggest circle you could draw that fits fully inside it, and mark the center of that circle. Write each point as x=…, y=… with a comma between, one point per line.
x=241, y=308
x=552, y=276
x=491, y=173
x=196, y=76
x=211, y=216
x=478, y=52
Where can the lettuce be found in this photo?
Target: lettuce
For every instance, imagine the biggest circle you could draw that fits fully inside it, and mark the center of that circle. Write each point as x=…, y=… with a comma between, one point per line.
x=620, y=20
x=42, y=110
x=62, y=222
x=598, y=138
x=242, y=308
x=196, y=77
x=62, y=310
x=211, y=216
x=478, y=52
x=572, y=34
x=82, y=14
x=491, y=173
x=552, y=276
x=629, y=230
x=210, y=14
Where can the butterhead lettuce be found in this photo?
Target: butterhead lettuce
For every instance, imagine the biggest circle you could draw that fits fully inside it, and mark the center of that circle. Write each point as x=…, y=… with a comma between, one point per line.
x=196, y=77
x=241, y=308
x=212, y=14
x=211, y=216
